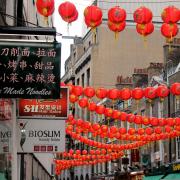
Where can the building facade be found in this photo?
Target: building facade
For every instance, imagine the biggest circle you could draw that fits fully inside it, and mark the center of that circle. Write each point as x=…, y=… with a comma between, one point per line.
x=98, y=59
x=17, y=13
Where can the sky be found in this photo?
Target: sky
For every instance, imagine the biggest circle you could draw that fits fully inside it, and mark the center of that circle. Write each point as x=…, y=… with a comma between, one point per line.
x=75, y=29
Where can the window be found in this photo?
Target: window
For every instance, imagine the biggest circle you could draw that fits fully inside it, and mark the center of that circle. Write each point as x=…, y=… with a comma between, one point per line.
x=177, y=104
x=82, y=80
x=77, y=81
x=143, y=112
x=88, y=77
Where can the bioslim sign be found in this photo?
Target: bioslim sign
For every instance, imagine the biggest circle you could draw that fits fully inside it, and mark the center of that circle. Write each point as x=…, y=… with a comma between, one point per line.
x=41, y=136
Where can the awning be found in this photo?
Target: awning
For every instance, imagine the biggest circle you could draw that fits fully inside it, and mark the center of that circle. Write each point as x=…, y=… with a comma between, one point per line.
x=158, y=177
x=2, y=176
x=174, y=176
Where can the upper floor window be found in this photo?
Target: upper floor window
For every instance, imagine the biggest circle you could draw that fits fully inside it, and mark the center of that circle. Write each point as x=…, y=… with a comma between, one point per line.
x=82, y=80
x=77, y=81
x=88, y=77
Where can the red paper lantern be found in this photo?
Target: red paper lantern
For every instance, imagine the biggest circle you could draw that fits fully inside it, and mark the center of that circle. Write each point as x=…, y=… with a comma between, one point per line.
x=92, y=106
x=45, y=7
x=115, y=114
x=140, y=131
x=142, y=15
x=138, y=119
x=113, y=129
x=122, y=130
x=116, y=27
x=116, y=14
x=96, y=126
x=170, y=14
x=68, y=12
x=168, y=129
x=78, y=152
x=137, y=93
x=89, y=92
x=101, y=93
x=79, y=122
x=177, y=120
x=77, y=90
x=84, y=152
x=73, y=98
x=108, y=112
x=145, y=29
x=113, y=94
x=83, y=102
x=150, y=92
x=169, y=30
x=162, y=91
x=171, y=121
x=162, y=122
x=158, y=130
x=100, y=109
x=93, y=16
x=154, y=121
x=175, y=89
x=131, y=131
x=125, y=94
x=104, y=128
x=123, y=116
x=149, y=131
x=130, y=118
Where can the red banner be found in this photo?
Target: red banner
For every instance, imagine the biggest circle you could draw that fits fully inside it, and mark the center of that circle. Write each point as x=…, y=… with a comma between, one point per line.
x=46, y=108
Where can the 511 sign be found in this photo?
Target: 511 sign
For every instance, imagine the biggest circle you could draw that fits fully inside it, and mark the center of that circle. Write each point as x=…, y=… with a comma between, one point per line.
x=30, y=70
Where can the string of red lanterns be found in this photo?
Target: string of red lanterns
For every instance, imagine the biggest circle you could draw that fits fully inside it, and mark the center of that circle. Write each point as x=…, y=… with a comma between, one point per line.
x=82, y=160
x=125, y=94
x=144, y=134
x=100, y=145
x=116, y=17
x=117, y=115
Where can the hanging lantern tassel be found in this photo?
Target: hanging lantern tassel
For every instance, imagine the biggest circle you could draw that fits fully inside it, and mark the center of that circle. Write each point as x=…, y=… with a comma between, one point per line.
x=94, y=34
x=116, y=35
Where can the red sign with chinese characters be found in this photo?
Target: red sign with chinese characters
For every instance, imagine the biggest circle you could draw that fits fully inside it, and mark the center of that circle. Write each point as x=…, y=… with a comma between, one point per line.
x=45, y=108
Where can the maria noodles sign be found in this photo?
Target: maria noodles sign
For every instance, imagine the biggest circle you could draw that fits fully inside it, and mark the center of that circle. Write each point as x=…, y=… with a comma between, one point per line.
x=30, y=70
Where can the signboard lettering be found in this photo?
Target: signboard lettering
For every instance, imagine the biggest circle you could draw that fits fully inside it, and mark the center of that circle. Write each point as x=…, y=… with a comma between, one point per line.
x=30, y=70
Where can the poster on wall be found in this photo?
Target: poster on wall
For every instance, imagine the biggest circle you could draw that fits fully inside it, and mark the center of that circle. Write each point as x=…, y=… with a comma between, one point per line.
x=45, y=108
x=40, y=136
x=5, y=138
x=30, y=69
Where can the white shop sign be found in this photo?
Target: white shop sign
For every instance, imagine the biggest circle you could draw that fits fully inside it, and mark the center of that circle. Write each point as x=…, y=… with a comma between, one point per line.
x=41, y=136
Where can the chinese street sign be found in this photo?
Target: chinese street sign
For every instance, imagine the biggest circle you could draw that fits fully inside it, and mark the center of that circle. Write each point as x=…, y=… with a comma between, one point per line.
x=30, y=70
x=41, y=136
x=39, y=108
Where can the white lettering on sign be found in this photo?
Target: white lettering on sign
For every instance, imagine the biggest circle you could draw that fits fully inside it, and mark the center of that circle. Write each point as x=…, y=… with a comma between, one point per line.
x=44, y=133
x=32, y=91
